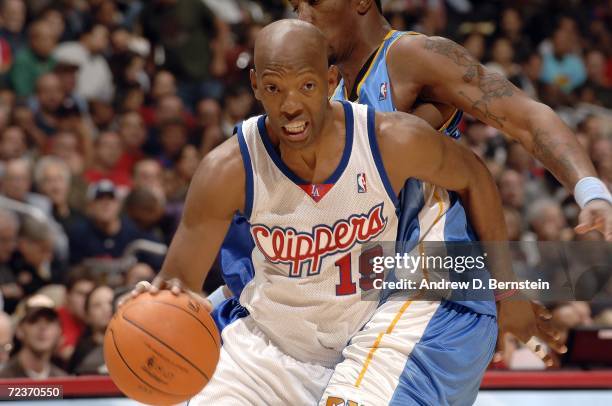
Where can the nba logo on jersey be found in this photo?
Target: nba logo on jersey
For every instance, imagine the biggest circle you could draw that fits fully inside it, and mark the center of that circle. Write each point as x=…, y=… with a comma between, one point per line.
x=362, y=187
x=383, y=92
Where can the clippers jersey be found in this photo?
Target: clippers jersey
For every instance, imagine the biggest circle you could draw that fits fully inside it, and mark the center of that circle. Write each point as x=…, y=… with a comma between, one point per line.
x=427, y=212
x=306, y=292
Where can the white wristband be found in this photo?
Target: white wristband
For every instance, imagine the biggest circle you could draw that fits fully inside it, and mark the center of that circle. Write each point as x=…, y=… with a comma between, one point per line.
x=217, y=297
x=591, y=188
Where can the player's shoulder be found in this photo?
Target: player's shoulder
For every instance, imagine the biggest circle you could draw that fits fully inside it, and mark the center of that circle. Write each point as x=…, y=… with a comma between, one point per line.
x=406, y=45
x=418, y=50
x=217, y=186
x=397, y=128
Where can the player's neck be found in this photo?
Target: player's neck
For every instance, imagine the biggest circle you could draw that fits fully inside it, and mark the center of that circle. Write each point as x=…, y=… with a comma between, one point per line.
x=306, y=162
x=367, y=41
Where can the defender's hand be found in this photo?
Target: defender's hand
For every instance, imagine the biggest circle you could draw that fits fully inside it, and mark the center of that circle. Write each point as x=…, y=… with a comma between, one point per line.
x=525, y=320
x=174, y=285
x=596, y=215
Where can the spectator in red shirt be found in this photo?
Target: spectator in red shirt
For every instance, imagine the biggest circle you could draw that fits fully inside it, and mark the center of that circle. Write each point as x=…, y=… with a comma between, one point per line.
x=72, y=313
x=108, y=149
x=133, y=134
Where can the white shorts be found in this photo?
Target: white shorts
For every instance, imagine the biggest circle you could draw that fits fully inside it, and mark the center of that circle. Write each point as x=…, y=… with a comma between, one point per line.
x=253, y=371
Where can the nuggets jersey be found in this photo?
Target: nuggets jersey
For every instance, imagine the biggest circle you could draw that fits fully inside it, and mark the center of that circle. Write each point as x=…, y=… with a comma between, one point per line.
x=427, y=212
x=306, y=292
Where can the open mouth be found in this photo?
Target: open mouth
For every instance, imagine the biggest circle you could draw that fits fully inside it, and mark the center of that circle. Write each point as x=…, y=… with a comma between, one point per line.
x=296, y=130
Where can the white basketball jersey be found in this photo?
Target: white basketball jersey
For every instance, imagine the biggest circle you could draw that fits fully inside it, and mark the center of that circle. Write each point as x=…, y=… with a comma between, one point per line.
x=310, y=268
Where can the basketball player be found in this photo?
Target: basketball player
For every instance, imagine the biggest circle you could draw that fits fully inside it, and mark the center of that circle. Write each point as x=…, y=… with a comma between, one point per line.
x=391, y=71
x=317, y=180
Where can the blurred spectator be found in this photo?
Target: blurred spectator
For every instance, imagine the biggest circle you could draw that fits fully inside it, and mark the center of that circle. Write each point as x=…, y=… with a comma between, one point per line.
x=10, y=290
x=528, y=78
x=208, y=131
x=66, y=146
x=133, y=135
x=474, y=43
x=17, y=183
x=511, y=27
x=187, y=164
x=94, y=80
x=562, y=67
x=31, y=266
x=52, y=177
x=23, y=117
x=164, y=85
x=6, y=338
x=107, y=153
x=66, y=71
x=513, y=223
x=502, y=60
x=47, y=103
x=547, y=221
x=13, y=143
x=53, y=17
x=145, y=208
x=34, y=60
x=185, y=30
x=139, y=272
x=108, y=233
x=148, y=174
x=511, y=186
x=72, y=314
x=102, y=115
x=237, y=105
x=12, y=20
x=596, y=77
x=88, y=356
x=173, y=137
x=39, y=332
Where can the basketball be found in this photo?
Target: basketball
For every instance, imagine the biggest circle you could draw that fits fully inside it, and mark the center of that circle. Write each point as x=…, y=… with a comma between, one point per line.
x=161, y=349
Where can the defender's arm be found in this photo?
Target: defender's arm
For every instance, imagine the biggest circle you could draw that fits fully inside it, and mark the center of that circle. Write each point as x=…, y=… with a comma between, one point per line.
x=449, y=74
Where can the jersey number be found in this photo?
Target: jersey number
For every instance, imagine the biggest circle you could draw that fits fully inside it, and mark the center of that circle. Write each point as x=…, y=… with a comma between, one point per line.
x=366, y=280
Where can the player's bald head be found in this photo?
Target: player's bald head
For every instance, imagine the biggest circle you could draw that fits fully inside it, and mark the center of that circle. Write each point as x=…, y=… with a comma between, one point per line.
x=290, y=44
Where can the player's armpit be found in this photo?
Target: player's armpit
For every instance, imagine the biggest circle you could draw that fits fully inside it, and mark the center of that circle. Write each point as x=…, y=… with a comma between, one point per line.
x=216, y=192
x=429, y=112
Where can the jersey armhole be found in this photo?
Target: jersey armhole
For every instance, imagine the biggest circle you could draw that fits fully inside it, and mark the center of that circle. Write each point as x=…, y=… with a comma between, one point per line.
x=377, y=157
x=248, y=170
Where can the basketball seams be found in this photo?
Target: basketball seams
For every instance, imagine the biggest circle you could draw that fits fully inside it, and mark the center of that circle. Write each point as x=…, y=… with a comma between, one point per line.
x=135, y=374
x=213, y=336
x=165, y=345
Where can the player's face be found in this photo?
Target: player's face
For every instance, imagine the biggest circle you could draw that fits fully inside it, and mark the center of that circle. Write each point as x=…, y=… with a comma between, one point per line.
x=295, y=99
x=333, y=18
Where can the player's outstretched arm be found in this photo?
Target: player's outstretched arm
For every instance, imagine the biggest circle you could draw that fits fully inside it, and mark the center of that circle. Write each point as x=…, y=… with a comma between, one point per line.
x=216, y=192
x=449, y=74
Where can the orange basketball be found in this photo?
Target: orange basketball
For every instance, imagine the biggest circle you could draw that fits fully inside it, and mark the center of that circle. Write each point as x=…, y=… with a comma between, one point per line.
x=161, y=349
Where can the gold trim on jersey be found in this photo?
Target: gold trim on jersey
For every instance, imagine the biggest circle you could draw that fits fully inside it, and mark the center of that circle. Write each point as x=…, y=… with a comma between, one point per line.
x=450, y=120
x=365, y=77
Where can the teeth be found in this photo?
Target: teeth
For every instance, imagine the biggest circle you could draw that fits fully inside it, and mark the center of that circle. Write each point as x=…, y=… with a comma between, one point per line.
x=296, y=127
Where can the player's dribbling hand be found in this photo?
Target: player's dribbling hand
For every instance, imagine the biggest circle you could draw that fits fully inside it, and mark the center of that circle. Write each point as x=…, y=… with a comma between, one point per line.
x=528, y=320
x=174, y=285
x=596, y=215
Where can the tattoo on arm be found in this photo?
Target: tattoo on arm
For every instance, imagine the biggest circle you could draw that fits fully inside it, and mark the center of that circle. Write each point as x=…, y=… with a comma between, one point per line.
x=492, y=85
x=553, y=152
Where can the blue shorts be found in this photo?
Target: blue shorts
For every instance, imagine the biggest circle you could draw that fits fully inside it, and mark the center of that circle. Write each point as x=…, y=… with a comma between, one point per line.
x=415, y=353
